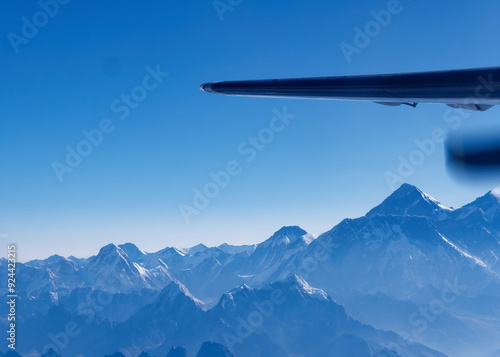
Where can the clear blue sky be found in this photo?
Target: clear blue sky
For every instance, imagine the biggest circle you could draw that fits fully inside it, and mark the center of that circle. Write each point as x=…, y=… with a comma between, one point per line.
x=328, y=164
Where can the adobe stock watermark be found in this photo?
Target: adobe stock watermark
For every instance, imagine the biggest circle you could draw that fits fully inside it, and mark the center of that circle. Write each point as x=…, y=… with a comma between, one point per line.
x=31, y=25
x=88, y=309
x=426, y=315
x=249, y=149
x=223, y=6
x=122, y=107
x=264, y=310
x=364, y=35
x=424, y=148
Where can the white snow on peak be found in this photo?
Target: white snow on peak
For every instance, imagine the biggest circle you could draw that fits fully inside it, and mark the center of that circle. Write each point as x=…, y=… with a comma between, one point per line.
x=142, y=271
x=304, y=287
x=464, y=254
x=244, y=287
x=131, y=246
x=230, y=294
x=433, y=200
x=496, y=192
x=180, y=251
x=308, y=238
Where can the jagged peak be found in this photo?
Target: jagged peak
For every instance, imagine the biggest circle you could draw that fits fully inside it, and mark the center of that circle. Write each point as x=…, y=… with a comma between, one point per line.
x=229, y=296
x=111, y=247
x=285, y=236
x=290, y=230
x=112, y=250
x=112, y=254
x=40, y=262
x=131, y=248
x=212, y=349
x=409, y=190
x=55, y=257
x=209, y=262
x=144, y=354
x=492, y=196
x=488, y=205
x=172, y=250
x=196, y=249
x=51, y=353
x=408, y=200
x=174, y=289
x=76, y=260
x=495, y=193
x=239, y=289
x=176, y=351
x=297, y=282
x=61, y=263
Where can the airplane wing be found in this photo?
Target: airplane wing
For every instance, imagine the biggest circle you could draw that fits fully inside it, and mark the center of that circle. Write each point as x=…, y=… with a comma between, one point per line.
x=473, y=89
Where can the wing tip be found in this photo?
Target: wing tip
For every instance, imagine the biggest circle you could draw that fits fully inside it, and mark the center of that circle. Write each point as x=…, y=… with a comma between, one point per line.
x=207, y=87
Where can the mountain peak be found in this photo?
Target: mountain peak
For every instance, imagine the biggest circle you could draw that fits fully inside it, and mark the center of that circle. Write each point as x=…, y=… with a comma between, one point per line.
x=144, y=354
x=290, y=230
x=109, y=248
x=243, y=288
x=489, y=205
x=296, y=282
x=407, y=188
x=177, y=352
x=408, y=200
x=286, y=236
x=52, y=259
x=208, y=264
x=174, y=289
x=493, y=196
x=199, y=248
x=51, y=353
x=212, y=349
x=111, y=251
x=132, y=251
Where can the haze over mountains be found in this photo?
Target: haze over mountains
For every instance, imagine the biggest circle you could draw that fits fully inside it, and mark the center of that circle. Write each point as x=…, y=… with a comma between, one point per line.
x=411, y=278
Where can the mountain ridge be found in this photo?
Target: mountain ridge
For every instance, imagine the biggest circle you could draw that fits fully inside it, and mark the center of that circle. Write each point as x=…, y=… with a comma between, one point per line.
x=410, y=248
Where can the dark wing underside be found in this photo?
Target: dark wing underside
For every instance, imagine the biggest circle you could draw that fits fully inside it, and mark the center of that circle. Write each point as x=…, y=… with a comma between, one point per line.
x=473, y=89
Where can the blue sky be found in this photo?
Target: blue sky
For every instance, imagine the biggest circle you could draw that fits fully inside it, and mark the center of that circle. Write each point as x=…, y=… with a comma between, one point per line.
x=327, y=164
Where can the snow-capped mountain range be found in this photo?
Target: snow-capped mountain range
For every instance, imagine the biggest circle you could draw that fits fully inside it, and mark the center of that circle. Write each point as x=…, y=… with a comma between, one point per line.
x=410, y=265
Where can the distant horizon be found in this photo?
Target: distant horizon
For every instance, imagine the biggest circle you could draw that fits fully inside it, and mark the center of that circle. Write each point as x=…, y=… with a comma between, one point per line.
x=495, y=191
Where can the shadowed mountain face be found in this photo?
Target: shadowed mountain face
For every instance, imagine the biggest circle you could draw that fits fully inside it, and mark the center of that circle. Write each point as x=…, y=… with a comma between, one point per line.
x=411, y=265
x=51, y=353
x=11, y=353
x=284, y=318
x=177, y=352
x=362, y=254
x=211, y=349
x=144, y=354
